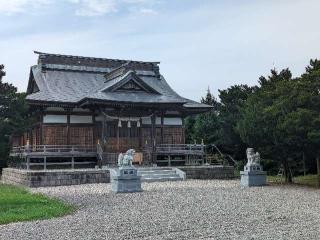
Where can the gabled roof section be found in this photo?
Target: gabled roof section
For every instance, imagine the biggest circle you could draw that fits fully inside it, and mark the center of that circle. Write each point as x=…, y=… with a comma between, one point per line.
x=75, y=80
x=32, y=84
x=130, y=82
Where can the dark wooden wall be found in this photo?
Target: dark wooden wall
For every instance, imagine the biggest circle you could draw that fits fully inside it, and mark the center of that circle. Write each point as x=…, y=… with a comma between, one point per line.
x=113, y=138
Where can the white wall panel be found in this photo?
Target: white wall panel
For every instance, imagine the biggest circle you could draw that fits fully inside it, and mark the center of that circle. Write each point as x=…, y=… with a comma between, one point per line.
x=80, y=119
x=172, y=121
x=54, y=118
x=166, y=121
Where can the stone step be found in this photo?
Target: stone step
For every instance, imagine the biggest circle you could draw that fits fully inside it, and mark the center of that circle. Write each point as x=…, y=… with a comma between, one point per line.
x=161, y=179
x=158, y=174
x=154, y=168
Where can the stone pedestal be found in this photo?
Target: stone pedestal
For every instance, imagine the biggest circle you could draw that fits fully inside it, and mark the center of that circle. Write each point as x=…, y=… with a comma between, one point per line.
x=253, y=175
x=125, y=179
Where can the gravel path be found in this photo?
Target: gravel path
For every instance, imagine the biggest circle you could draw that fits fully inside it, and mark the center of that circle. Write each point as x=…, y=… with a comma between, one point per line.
x=179, y=210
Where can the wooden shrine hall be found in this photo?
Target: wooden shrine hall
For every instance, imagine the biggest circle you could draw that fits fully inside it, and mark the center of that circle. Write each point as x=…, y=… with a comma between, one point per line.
x=88, y=110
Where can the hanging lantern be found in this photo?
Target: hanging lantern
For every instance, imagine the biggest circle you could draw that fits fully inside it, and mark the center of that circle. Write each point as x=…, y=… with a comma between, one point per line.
x=119, y=123
x=138, y=123
x=129, y=124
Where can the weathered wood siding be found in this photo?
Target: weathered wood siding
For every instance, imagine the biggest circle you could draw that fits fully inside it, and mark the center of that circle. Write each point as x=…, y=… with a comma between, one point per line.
x=55, y=135
x=84, y=129
x=81, y=135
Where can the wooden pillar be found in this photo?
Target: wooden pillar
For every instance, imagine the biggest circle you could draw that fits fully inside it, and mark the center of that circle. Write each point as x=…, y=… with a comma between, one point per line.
x=68, y=128
x=41, y=129
x=118, y=138
x=140, y=136
x=153, y=141
x=183, y=132
x=129, y=137
x=103, y=130
x=94, y=132
x=162, y=123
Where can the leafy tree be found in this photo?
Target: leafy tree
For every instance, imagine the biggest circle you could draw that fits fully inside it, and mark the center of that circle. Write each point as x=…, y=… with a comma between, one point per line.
x=232, y=101
x=202, y=127
x=189, y=129
x=310, y=83
x=13, y=115
x=280, y=117
x=206, y=124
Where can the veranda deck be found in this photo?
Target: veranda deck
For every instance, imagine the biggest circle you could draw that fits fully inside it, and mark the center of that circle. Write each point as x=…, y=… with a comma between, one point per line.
x=43, y=156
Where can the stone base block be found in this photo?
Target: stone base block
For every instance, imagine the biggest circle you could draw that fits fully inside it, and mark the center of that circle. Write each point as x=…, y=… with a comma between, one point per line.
x=125, y=180
x=126, y=185
x=253, y=178
x=208, y=172
x=49, y=178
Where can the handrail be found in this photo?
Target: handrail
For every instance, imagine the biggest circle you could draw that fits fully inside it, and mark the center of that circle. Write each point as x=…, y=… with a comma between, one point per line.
x=53, y=148
x=223, y=155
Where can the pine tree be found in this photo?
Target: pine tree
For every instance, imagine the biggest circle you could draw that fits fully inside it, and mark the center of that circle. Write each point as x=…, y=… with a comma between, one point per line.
x=13, y=115
x=2, y=73
x=209, y=99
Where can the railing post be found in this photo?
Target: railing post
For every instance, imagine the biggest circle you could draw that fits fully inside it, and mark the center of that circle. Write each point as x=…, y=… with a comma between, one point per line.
x=28, y=163
x=44, y=148
x=72, y=162
x=45, y=163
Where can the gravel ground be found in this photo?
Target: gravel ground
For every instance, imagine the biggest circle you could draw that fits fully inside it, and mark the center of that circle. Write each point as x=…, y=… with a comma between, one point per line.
x=179, y=210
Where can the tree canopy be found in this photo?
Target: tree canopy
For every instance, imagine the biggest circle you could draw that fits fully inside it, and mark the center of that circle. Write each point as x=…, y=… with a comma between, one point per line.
x=13, y=115
x=280, y=117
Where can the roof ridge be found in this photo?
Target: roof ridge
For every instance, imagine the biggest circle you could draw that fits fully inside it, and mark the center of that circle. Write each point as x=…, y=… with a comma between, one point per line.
x=94, y=58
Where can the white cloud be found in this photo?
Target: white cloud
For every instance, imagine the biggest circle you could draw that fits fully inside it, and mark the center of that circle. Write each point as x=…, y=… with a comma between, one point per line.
x=11, y=7
x=137, y=1
x=95, y=7
x=148, y=11
x=91, y=8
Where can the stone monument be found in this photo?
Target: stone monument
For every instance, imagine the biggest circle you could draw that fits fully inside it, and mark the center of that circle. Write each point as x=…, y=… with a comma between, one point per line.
x=125, y=178
x=253, y=174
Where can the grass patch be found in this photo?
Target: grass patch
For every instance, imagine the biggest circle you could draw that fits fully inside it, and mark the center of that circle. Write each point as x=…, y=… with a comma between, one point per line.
x=308, y=180
x=17, y=204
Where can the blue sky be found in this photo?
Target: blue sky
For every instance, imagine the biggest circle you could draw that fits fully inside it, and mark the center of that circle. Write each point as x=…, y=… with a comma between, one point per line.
x=199, y=43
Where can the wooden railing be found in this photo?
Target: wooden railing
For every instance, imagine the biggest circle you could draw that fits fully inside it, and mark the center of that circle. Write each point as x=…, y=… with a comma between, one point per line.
x=29, y=149
x=180, y=148
x=43, y=156
x=188, y=154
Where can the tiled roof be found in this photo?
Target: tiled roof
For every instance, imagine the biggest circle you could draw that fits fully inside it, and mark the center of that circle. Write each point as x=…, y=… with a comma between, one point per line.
x=63, y=82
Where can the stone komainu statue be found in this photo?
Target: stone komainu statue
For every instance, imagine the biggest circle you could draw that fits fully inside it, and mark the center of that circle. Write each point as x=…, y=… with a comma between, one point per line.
x=126, y=159
x=253, y=158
